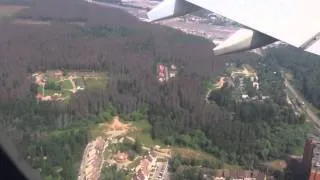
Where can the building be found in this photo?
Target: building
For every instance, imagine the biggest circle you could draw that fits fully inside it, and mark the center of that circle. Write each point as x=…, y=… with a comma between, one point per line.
x=40, y=97
x=165, y=72
x=223, y=174
x=162, y=73
x=255, y=85
x=244, y=96
x=307, y=154
x=143, y=169
x=314, y=175
x=173, y=71
x=311, y=158
x=79, y=84
x=92, y=160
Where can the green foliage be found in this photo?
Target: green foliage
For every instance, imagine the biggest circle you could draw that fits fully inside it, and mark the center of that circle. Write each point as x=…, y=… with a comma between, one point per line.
x=58, y=155
x=251, y=91
x=108, y=113
x=64, y=72
x=247, y=132
x=175, y=162
x=137, y=147
x=237, y=133
x=191, y=173
x=66, y=84
x=96, y=83
x=178, y=161
x=112, y=173
x=305, y=69
x=222, y=97
x=137, y=115
x=53, y=85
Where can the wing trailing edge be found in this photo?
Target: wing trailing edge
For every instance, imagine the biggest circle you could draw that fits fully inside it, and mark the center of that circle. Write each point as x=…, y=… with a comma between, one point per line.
x=242, y=40
x=270, y=22
x=171, y=8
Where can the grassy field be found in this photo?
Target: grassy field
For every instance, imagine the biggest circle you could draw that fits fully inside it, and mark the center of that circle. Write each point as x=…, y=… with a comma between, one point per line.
x=190, y=153
x=66, y=84
x=47, y=92
x=53, y=78
x=66, y=93
x=96, y=82
x=96, y=130
x=61, y=84
x=143, y=124
x=144, y=134
x=50, y=92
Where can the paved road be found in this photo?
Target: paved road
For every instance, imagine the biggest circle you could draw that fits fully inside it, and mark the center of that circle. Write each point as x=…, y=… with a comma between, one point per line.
x=311, y=115
x=160, y=167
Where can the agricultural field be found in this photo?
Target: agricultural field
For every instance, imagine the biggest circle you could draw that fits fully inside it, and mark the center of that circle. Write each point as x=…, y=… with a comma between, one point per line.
x=95, y=82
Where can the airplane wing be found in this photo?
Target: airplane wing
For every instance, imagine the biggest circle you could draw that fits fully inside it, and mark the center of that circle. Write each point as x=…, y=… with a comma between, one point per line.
x=296, y=22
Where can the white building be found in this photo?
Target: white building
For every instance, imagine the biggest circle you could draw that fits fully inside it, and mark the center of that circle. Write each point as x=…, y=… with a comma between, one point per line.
x=244, y=96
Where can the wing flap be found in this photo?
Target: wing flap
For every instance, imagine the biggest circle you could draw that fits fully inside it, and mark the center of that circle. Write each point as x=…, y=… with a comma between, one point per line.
x=171, y=8
x=293, y=22
x=314, y=48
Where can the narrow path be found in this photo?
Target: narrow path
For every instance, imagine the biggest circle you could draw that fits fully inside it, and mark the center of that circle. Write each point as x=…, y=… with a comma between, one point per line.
x=74, y=88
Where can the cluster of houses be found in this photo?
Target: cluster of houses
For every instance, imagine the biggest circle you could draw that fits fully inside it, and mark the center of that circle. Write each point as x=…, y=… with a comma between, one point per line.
x=54, y=97
x=224, y=174
x=142, y=171
x=40, y=79
x=241, y=75
x=92, y=160
x=165, y=72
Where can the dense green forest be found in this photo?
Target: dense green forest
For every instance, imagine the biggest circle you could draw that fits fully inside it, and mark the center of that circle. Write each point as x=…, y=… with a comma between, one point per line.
x=304, y=68
x=52, y=136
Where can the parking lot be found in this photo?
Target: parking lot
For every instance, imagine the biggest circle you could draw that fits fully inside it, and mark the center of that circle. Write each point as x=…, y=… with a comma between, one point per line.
x=159, y=171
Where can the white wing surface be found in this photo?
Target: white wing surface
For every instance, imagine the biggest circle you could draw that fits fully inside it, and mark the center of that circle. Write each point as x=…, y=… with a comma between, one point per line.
x=296, y=22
